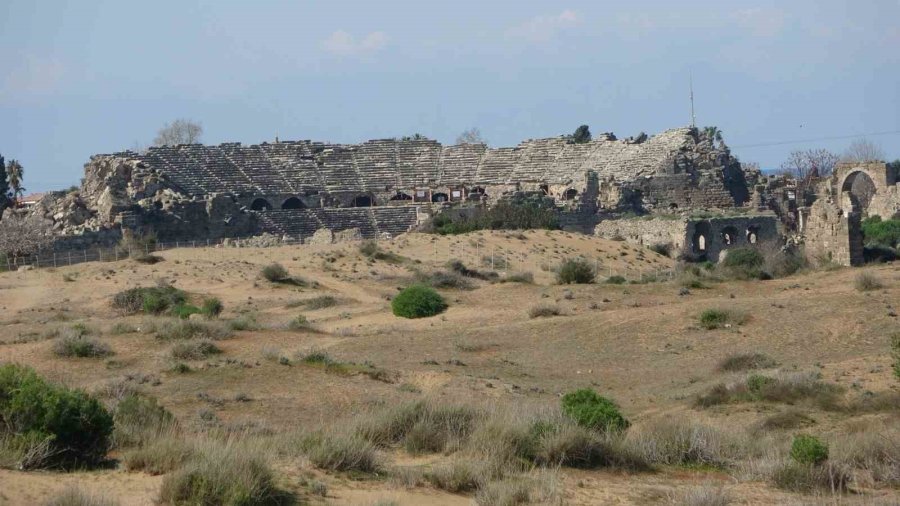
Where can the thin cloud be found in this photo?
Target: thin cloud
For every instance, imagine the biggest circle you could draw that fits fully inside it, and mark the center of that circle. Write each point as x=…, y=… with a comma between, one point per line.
x=342, y=43
x=762, y=23
x=544, y=28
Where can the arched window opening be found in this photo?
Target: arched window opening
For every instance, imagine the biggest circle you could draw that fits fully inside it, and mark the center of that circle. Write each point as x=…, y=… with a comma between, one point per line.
x=752, y=234
x=401, y=196
x=570, y=194
x=545, y=188
x=293, y=203
x=700, y=239
x=260, y=205
x=729, y=236
x=439, y=197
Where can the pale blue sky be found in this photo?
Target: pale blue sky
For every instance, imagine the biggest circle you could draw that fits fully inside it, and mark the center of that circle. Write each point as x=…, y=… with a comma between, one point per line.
x=78, y=78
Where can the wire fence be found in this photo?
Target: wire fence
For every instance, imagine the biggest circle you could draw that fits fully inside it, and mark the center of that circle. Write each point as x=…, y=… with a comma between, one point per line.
x=473, y=255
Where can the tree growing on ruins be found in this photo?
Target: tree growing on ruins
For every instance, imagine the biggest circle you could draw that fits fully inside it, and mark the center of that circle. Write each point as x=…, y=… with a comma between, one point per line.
x=863, y=150
x=808, y=165
x=414, y=137
x=180, y=131
x=471, y=136
x=14, y=174
x=582, y=135
x=713, y=133
x=23, y=235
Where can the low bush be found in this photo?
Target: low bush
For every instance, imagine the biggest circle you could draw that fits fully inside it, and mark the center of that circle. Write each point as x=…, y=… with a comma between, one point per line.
x=616, y=280
x=458, y=476
x=460, y=268
x=881, y=232
x=745, y=263
x=575, y=271
x=276, y=273
x=704, y=496
x=211, y=308
x=299, y=323
x=171, y=330
x=149, y=259
x=139, y=419
x=507, y=492
x=244, y=322
x=589, y=409
x=46, y=425
x=806, y=449
x=321, y=302
x=151, y=300
x=807, y=478
x=544, y=311
x=682, y=442
x=718, y=318
x=519, y=277
x=341, y=453
x=80, y=347
x=194, y=350
x=184, y=311
x=160, y=455
x=371, y=250
x=421, y=427
x=418, y=301
x=866, y=282
x=119, y=328
x=874, y=450
x=444, y=280
x=227, y=472
x=784, y=388
x=74, y=496
x=790, y=419
x=746, y=362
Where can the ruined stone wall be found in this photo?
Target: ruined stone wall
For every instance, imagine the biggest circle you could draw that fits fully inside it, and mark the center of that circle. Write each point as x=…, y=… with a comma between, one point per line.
x=830, y=234
x=646, y=231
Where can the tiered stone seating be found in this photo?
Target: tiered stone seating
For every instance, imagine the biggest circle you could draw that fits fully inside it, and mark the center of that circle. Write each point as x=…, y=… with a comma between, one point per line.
x=382, y=165
x=371, y=222
x=394, y=220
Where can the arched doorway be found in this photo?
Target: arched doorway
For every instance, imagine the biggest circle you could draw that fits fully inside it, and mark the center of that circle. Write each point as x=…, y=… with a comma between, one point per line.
x=700, y=239
x=729, y=236
x=260, y=205
x=439, y=197
x=293, y=203
x=752, y=234
x=861, y=189
x=363, y=201
x=570, y=194
x=401, y=196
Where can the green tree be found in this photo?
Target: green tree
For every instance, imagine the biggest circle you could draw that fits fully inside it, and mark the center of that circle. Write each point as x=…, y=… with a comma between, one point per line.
x=713, y=133
x=582, y=135
x=4, y=186
x=14, y=173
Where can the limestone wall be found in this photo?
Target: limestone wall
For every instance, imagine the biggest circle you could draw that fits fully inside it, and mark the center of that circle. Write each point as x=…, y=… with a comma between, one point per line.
x=645, y=231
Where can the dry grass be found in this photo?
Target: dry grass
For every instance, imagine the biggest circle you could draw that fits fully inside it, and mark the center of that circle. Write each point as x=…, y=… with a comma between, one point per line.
x=708, y=495
x=81, y=347
x=74, y=496
x=341, y=452
x=544, y=311
x=162, y=455
x=782, y=387
x=866, y=281
x=194, y=350
x=746, y=362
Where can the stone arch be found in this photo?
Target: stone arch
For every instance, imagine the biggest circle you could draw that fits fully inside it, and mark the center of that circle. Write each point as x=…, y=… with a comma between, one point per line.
x=439, y=197
x=570, y=194
x=363, y=201
x=293, y=203
x=753, y=234
x=401, y=196
x=260, y=204
x=700, y=240
x=729, y=236
x=860, y=187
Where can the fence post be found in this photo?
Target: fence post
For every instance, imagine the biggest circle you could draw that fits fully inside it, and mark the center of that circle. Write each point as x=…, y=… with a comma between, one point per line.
x=54, y=259
x=492, y=258
x=70, y=257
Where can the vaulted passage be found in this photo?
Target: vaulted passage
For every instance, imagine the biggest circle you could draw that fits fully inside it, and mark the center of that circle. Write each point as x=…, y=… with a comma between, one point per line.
x=700, y=240
x=401, y=196
x=260, y=205
x=439, y=197
x=363, y=201
x=293, y=203
x=729, y=236
x=570, y=194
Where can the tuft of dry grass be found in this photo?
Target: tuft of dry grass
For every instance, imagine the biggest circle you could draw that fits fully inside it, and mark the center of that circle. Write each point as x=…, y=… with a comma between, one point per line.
x=866, y=281
x=544, y=311
x=194, y=350
x=341, y=452
x=746, y=362
x=787, y=388
x=680, y=441
x=80, y=347
x=707, y=495
x=74, y=496
x=162, y=455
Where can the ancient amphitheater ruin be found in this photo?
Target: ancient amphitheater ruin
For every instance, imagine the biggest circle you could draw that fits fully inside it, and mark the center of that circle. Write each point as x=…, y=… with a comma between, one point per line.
x=678, y=187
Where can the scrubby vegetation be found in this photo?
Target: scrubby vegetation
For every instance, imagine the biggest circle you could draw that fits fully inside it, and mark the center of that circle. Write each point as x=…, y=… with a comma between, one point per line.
x=74, y=496
x=866, y=281
x=418, y=301
x=372, y=250
x=785, y=387
x=746, y=362
x=194, y=350
x=151, y=300
x=502, y=216
x=544, y=311
x=575, y=271
x=591, y=410
x=169, y=330
x=718, y=318
x=45, y=425
x=80, y=346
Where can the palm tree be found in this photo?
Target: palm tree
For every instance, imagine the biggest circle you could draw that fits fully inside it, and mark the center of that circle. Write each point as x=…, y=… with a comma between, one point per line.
x=14, y=173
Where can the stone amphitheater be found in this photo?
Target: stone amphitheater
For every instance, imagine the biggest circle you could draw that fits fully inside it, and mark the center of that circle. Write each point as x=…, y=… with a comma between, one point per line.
x=384, y=187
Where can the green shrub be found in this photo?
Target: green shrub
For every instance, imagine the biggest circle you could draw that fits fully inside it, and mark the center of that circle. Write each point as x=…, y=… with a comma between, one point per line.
x=575, y=271
x=519, y=277
x=745, y=263
x=299, y=323
x=73, y=427
x=151, y=300
x=616, y=280
x=502, y=216
x=808, y=449
x=211, y=307
x=276, y=273
x=184, y=311
x=718, y=318
x=418, y=301
x=588, y=409
x=194, y=350
x=321, y=302
x=80, y=347
x=189, y=329
x=881, y=232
